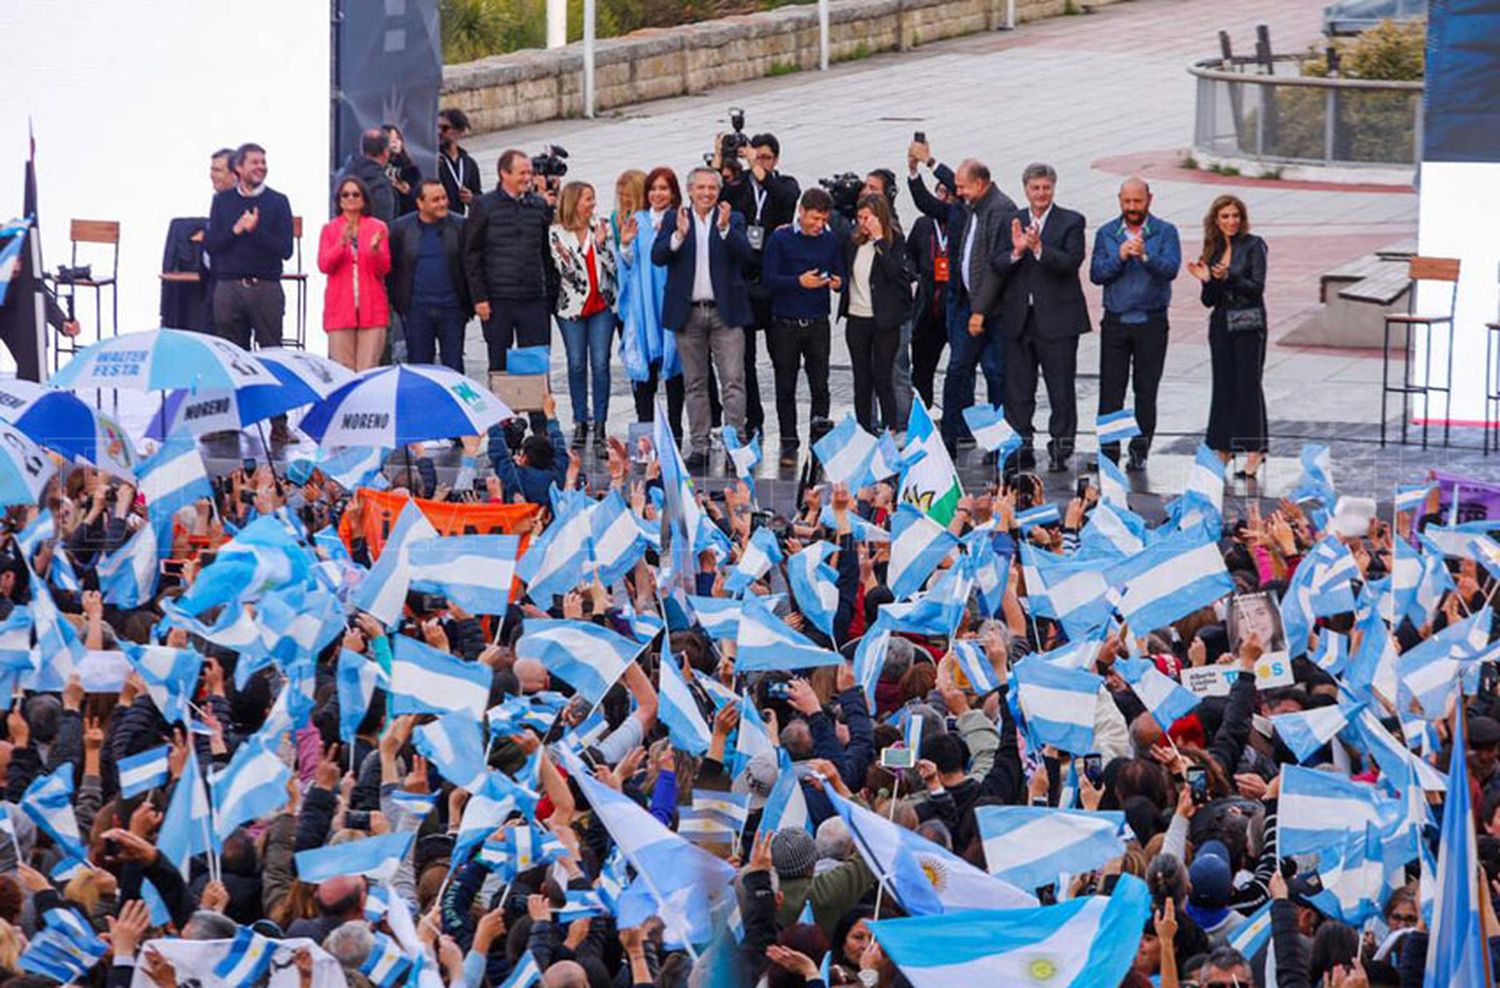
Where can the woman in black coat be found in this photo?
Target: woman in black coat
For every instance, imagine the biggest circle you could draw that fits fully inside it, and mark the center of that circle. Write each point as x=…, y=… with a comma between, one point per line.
x=1232, y=269
x=875, y=303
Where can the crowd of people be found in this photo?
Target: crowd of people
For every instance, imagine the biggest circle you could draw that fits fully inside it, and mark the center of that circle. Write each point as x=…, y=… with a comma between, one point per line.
x=675, y=280
x=737, y=748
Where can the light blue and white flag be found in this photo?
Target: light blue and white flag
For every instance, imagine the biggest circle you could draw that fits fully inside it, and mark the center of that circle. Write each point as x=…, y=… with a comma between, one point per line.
x=587, y=657
x=925, y=877
x=761, y=553
x=186, y=829
x=1171, y=578
x=247, y=962
x=1318, y=808
x=127, y=576
x=143, y=771
x=15, y=641
x=560, y=558
x=815, y=584
x=1253, y=934
x=1206, y=478
x=536, y=711
x=170, y=674
x=845, y=452
x=486, y=810
x=765, y=642
x=353, y=467
x=1164, y=698
x=716, y=816
x=975, y=665
x=1305, y=732
x=786, y=806
x=1074, y=591
x=616, y=542
x=373, y=857
x=1088, y=942
x=720, y=616
x=1113, y=532
x=911, y=734
x=862, y=530
x=1057, y=704
x=869, y=656
x=918, y=544
x=1117, y=427
x=173, y=479
x=357, y=679
x=745, y=457
x=1353, y=878
x=453, y=744
x=1040, y=516
x=1429, y=668
x=49, y=803
x=679, y=711
x=1114, y=488
x=581, y=904
x=991, y=431
x=65, y=949
x=1456, y=916
x=674, y=866
x=525, y=974
x=1029, y=846
x=1316, y=480
x=383, y=590
x=251, y=786
x=753, y=737
x=473, y=571
x=1412, y=497
x=1331, y=652
x=386, y=964
x=426, y=681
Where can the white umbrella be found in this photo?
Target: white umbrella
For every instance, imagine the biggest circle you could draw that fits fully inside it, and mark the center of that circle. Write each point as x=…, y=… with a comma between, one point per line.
x=397, y=406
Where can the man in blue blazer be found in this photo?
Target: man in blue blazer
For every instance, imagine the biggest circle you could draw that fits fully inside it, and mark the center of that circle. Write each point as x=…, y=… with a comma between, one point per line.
x=707, y=303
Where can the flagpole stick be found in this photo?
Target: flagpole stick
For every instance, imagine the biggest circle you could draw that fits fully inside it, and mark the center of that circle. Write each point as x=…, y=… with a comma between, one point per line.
x=891, y=815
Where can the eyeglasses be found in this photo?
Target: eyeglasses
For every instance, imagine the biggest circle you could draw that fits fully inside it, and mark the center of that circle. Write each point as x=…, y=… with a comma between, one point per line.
x=351, y=194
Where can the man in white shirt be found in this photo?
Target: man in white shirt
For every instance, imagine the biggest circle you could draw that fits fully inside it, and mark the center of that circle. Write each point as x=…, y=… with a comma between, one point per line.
x=707, y=304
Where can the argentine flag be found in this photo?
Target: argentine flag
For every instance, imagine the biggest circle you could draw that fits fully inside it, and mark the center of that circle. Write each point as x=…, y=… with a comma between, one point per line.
x=559, y=559
x=143, y=771
x=975, y=665
x=474, y=571
x=454, y=744
x=382, y=592
x=930, y=482
x=251, y=786
x=248, y=960
x=786, y=806
x=1170, y=579
x=1029, y=846
x=990, y=430
x=373, y=857
x=1117, y=427
x=815, y=585
x=1083, y=943
x=765, y=642
x=587, y=657
x=845, y=452
x=1058, y=704
x=426, y=681
x=1305, y=732
x=1165, y=699
x=356, y=680
x=760, y=554
x=679, y=711
x=918, y=545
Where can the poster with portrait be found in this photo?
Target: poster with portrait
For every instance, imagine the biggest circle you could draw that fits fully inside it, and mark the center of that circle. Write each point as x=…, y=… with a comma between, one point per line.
x=1261, y=613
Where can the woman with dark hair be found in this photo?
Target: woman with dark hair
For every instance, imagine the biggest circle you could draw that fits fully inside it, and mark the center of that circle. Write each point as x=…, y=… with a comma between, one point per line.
x=403, y=173
x=355, y=253
x=851, y=935
x=874, y=308
x=647, y=350
x=1232, y=269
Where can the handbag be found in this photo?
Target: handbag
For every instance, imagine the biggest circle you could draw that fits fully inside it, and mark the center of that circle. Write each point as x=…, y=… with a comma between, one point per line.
x=1245, y=320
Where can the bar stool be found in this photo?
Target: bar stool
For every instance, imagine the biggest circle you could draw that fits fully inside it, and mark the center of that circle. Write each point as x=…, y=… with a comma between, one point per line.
x=102, y=232
x=1491, y=386
x=1438, y=269
x=298, y=278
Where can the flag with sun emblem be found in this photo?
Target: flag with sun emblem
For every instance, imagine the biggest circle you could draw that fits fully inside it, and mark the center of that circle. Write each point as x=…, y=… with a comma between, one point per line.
x=1082, y=943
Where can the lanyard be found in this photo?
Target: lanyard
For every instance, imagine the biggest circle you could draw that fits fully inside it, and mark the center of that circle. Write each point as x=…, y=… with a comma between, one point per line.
x=942, y=238
x=458, y=176
x=760, y=199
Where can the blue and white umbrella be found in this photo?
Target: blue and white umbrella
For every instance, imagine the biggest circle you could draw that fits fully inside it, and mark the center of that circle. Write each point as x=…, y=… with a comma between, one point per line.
x=301, y=379
x=62, y=421
x=25, y=468
x=396, y=406
x=163, y=360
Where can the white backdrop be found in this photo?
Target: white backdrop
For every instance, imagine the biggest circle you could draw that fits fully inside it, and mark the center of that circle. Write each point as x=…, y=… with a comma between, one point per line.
x=129, y=99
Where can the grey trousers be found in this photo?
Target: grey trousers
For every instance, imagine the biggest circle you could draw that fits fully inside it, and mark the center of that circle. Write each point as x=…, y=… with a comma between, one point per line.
x=702, y=338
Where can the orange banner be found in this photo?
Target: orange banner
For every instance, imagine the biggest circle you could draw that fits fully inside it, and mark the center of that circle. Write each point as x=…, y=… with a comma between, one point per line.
x=448, y=517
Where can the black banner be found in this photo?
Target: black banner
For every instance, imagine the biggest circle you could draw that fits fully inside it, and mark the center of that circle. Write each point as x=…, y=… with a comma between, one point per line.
x=1461, y=112
x=388, y=66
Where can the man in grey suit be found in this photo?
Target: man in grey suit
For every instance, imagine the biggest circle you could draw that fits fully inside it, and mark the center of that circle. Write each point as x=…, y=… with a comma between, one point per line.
x=976, y=228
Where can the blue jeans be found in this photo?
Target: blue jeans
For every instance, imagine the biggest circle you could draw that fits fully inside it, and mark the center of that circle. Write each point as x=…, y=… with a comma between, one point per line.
x=586, y=342
x=966, y=354
x=430, y=329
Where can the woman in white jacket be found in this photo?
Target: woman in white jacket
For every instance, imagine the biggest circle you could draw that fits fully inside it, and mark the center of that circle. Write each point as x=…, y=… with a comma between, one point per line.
x=585, y=304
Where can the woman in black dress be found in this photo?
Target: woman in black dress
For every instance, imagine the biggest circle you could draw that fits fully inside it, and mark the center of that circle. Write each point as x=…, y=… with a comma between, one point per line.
x=1232, y=269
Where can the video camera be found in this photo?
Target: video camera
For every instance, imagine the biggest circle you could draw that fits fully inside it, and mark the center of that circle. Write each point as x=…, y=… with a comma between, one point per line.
x=845, y=190
x=551, y=165
x=730, y=143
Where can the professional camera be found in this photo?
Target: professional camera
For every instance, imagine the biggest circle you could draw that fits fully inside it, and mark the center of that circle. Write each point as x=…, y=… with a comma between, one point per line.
x=552, y=162
x=845, y=190
x=730, y=143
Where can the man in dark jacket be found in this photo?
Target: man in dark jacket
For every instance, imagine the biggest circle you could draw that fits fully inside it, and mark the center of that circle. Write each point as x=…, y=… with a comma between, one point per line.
x=369, y=167
x=1042, y=313
x=427, y=283
x=975, y=230
x=457, y=170
x=506, y=260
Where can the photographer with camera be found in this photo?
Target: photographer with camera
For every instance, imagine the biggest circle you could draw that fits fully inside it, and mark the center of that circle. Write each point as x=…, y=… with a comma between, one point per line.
x=507, y=261
x=768, y=200
x=803, y=261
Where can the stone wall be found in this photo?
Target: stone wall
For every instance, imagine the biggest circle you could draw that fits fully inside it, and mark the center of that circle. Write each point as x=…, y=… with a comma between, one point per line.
x=535, y=85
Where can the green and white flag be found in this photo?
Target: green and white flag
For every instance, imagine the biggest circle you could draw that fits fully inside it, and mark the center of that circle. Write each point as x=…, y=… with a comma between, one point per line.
x=931, y=484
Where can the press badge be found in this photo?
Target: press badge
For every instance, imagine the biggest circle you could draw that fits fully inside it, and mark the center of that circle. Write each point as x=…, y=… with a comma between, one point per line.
x=756, y=235
x=940, y=267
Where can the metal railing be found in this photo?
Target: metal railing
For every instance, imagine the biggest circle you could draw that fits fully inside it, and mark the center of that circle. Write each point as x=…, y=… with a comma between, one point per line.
x=1245, y=109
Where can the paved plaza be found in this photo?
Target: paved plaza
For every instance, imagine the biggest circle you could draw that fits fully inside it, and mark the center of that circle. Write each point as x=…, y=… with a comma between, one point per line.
x=1099, y=96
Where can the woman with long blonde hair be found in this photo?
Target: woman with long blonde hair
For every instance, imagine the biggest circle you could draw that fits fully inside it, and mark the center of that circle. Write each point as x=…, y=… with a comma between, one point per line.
x=585, y=264
x=1232, y=270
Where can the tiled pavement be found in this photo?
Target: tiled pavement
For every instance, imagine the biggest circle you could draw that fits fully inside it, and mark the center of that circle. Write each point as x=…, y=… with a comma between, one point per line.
x=1082, y=93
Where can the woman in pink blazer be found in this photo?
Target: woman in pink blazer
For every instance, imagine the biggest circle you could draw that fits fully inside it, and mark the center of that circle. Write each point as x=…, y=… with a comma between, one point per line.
x=355, y=253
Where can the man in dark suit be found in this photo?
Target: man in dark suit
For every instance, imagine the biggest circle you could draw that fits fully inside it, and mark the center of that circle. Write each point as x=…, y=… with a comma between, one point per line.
x=976, y=231
x=706, y=304
x=1042, y=313
x=427, y=283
